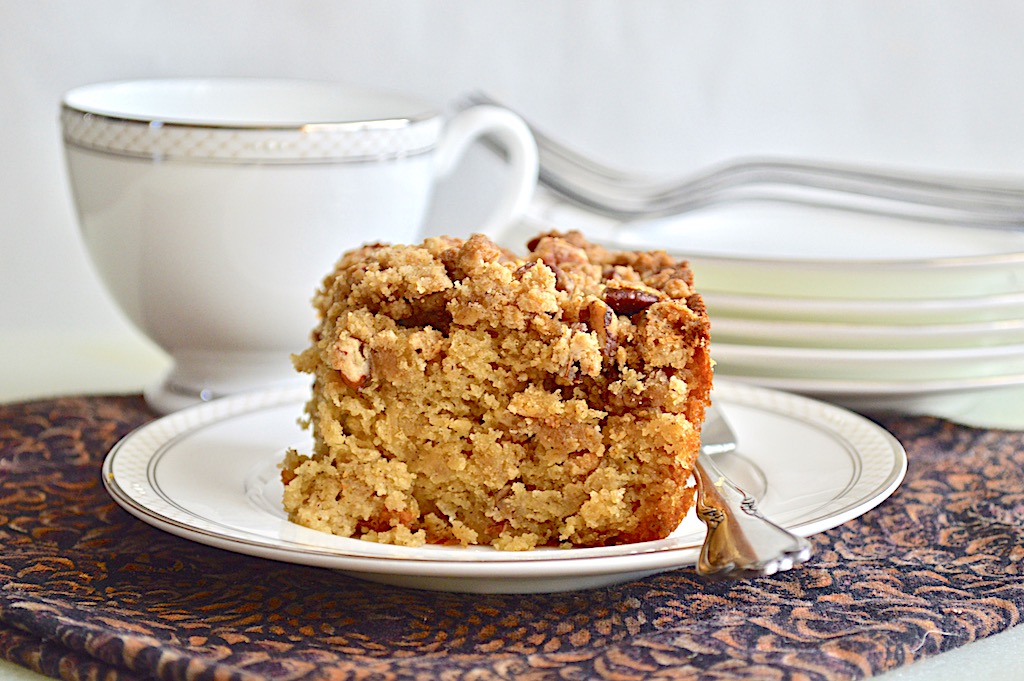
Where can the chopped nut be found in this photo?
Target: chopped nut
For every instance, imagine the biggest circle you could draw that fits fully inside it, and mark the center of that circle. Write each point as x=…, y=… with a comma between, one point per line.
x=346, y=356
x=430, y=310
x=524, y=268
x=557, y=251
x=600, y=319
x=629, y=301
x=563, y=282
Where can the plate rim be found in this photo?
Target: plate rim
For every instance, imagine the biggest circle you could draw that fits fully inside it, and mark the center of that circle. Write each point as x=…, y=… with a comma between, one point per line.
x=793, y=305
x=892, y=337
x=1012, y=256
x=750, y=351
x=868, y=388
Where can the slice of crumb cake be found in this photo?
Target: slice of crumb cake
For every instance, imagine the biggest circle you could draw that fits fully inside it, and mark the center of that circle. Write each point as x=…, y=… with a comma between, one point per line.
x=464, y=395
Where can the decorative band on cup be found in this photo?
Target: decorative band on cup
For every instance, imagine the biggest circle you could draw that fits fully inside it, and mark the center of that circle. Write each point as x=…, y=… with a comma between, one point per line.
x=321, y=142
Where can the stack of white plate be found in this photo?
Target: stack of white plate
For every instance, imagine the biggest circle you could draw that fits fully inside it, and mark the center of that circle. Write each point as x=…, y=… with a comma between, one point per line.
x=874, y=313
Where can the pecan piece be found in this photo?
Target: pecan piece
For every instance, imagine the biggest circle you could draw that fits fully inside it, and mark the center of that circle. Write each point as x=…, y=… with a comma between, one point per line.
x=347, y=358
x=563, y=282
x=629, y=301
x=524, y=268
x=554, y=249
x=430, y=310
x=599, y=318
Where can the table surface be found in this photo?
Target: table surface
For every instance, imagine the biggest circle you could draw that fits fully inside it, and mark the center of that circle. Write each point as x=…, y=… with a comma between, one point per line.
x=36, y=365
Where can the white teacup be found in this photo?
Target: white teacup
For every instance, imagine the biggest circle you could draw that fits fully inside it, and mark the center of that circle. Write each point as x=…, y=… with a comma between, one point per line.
x=212, y=208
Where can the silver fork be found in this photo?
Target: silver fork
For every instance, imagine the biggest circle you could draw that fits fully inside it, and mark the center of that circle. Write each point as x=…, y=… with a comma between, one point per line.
x=740, y=541
x=593, y=185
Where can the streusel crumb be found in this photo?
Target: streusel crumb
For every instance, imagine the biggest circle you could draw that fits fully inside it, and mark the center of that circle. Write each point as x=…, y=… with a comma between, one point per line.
x=464, y=395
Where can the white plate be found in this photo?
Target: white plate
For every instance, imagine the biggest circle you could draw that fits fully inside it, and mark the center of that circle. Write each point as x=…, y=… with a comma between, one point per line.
x=866, y=336
x=209, y=474
x=903, y=312
x=942, y=364
x=773, y=249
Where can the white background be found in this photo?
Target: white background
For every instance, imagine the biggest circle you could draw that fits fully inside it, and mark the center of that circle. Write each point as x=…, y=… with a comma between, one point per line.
x=662, y=86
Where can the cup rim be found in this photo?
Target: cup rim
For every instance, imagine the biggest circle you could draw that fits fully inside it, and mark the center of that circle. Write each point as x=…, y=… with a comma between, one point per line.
x=87, y=100
x=123, y=118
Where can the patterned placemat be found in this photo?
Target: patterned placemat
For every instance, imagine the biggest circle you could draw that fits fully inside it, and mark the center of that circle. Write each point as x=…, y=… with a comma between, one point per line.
x=87, y=591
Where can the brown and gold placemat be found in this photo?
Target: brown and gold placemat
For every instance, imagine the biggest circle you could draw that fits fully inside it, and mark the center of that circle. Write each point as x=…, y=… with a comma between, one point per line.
x=87, y=591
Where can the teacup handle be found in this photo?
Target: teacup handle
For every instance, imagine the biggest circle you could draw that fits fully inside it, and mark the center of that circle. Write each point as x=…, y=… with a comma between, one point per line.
x=514, y=136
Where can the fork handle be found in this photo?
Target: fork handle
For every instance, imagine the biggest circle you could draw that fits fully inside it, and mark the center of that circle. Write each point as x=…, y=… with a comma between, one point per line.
x=740, y=542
